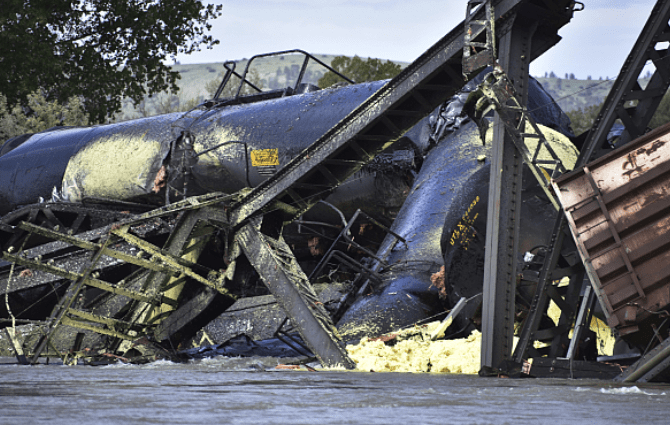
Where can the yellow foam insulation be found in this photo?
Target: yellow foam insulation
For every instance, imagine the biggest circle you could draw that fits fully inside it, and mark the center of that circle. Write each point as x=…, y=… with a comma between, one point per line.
x=605, y=337
x=411, y=350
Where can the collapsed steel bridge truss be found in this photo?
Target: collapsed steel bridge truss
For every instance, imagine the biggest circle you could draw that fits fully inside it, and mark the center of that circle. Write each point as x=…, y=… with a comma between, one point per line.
x=254, y=219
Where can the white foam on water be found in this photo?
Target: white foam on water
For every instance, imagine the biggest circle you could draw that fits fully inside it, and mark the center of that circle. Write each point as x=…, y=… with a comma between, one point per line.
x=627, y=391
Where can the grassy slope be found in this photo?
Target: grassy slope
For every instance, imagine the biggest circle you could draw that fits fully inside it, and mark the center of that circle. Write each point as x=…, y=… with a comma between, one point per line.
x=575, y=94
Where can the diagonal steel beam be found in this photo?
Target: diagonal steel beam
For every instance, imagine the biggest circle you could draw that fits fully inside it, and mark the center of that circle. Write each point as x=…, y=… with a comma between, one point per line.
x=404, y=101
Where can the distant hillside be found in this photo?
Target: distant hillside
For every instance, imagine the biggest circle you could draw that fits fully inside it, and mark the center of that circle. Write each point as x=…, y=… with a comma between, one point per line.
x=278, y=72
x=569, y=94
x=575, y=94
x=274, y=73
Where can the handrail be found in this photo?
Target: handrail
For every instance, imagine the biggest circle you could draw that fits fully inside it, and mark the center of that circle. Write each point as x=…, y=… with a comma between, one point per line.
x=230, y=70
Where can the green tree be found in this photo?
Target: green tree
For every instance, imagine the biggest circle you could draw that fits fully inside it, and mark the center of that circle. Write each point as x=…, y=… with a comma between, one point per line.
x=359, y=70
x=166, y=103
x=42, y=115
x=582, y=119
x=97, y=50
x=662, y=114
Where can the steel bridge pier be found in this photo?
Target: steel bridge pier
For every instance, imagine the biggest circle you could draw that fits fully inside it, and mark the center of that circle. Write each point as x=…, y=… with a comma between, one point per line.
x=504, y=213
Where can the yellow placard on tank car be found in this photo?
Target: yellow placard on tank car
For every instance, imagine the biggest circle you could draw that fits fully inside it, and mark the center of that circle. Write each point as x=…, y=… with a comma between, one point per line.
x=264, y=157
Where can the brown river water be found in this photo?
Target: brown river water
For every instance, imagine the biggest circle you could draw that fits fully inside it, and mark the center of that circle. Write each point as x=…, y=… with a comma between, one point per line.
x=251, y=391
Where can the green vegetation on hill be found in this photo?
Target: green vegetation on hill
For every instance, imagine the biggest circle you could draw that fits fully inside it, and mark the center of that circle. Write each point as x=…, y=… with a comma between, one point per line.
x=582, y=100
x=198, y=81
x=573, y=94
x=662, y=115
x=274, y=72
x=360, y=70
x=582, y=119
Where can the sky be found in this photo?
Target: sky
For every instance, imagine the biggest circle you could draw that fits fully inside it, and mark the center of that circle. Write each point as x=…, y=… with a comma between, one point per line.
x=596, y=41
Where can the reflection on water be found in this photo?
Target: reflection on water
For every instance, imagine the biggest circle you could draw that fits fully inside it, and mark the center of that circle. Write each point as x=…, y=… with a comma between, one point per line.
x=249, y=391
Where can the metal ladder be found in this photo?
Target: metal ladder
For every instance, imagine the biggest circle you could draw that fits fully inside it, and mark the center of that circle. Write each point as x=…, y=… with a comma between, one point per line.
x=477, y=53
x=497, y=93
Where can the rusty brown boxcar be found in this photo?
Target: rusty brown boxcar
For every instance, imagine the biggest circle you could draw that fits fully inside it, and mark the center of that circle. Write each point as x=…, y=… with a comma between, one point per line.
x=618, y=209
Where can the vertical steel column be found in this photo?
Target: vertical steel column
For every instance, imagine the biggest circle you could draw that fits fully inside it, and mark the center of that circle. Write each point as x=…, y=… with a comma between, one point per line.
x=504, y=211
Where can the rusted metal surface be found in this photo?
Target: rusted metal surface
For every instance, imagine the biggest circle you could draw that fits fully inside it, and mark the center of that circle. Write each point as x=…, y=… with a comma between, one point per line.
x=618, y=210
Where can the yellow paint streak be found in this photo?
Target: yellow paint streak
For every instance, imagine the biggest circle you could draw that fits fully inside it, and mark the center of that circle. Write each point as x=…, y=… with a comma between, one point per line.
x=464, y=232
x=117, y=167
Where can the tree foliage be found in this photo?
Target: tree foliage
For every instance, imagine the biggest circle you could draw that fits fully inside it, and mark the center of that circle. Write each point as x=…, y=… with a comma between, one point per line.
x=44, y=115
x=662, y=114
x=167, y=103
x=97, y=50
x=359, y=70
x=581, y=119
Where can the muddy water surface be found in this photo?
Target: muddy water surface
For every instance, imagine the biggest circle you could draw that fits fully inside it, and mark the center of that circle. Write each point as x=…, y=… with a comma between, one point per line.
x=236, y=391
